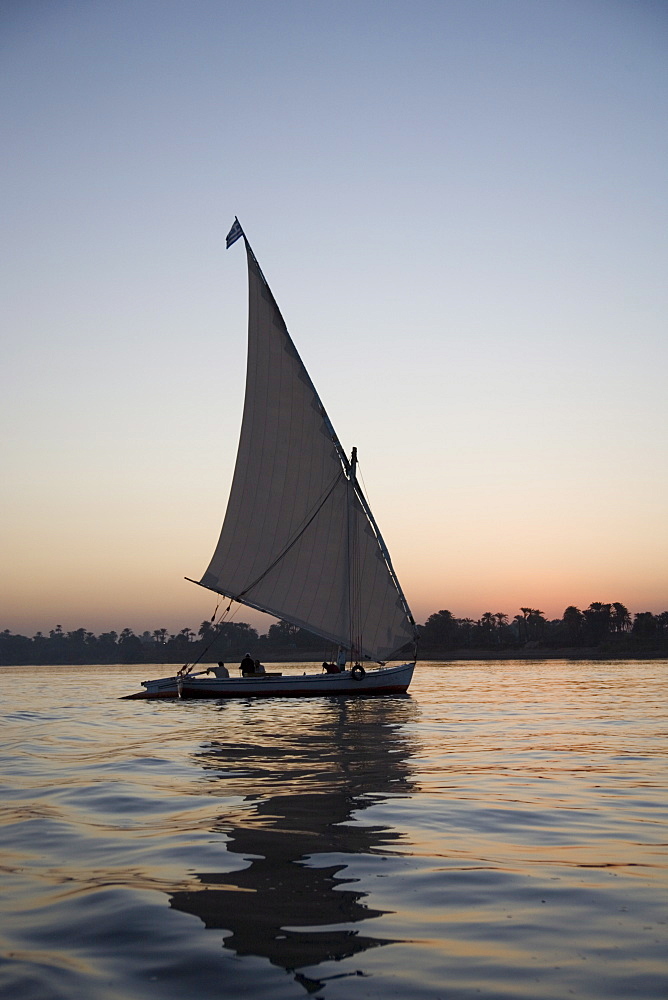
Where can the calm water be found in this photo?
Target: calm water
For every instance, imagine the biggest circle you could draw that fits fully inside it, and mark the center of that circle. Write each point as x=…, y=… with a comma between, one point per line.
x=498, y=834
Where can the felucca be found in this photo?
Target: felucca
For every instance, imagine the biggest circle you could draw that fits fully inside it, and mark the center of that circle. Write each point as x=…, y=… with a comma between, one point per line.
x=299, y=540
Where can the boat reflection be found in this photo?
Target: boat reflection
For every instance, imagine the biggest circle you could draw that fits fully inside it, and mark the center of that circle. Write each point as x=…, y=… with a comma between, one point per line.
x=302, y=795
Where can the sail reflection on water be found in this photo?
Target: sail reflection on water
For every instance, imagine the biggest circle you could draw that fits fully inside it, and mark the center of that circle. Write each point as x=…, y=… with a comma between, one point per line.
x=301, y=815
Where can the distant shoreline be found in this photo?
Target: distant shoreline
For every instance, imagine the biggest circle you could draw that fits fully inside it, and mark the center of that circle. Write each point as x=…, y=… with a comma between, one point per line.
x=600, y=632
x=591, y=655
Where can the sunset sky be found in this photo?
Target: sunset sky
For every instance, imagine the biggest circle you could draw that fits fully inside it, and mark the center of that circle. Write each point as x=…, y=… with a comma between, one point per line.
x=461, y=208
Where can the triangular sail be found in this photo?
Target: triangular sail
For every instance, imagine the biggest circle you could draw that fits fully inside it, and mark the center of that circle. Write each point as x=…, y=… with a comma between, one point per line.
x=293, y=513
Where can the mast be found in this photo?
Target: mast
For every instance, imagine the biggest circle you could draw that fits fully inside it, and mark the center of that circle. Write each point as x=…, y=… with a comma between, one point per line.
x=350, y=557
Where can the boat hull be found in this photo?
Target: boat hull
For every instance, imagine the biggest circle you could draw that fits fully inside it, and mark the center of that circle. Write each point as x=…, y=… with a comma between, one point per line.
x=386, y=680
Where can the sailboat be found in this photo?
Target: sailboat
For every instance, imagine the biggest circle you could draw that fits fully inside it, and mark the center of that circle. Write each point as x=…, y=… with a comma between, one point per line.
x=299, y=540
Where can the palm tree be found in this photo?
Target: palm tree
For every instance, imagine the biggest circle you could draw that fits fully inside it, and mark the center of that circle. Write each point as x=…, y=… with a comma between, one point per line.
x=644, y=624
x=597, y=617
x=573, y=620
x=465, y=627
x=205, y=630
x=439, y=630
x=500, y=623
x=520, y=623
x=620, y=618
x=487, y=624
x=536, y=622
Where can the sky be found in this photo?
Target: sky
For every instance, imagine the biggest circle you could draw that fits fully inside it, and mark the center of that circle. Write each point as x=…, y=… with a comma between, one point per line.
x=460, y=207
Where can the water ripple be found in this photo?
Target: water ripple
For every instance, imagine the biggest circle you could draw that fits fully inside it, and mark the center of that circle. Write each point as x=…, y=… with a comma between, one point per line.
x=501, y=833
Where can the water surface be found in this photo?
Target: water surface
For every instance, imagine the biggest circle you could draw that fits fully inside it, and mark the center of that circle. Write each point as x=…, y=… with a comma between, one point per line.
x=498, y=833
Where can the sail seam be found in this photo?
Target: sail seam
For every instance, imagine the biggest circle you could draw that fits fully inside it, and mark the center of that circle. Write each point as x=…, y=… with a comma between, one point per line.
x=294, y=539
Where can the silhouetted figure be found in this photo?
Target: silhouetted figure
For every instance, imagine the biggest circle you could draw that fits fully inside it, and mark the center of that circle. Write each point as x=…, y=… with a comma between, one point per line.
x=247, y=665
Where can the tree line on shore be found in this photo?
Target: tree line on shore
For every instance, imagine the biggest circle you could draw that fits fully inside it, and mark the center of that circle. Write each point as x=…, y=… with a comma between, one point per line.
x=609, y=628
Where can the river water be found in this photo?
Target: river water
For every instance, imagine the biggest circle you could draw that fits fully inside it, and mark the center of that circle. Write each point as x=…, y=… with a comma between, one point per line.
x=498, y=833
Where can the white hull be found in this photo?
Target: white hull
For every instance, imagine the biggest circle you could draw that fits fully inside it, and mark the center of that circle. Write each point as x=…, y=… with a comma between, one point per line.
x=385, y=680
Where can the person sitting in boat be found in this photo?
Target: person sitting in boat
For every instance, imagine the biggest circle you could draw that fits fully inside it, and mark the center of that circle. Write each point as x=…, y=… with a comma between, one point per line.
x=220, y=671
x=247, y=665
x=331, y=668
x=259, y=668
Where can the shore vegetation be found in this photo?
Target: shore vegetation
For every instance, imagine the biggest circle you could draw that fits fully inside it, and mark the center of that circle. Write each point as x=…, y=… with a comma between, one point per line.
x=599, y=630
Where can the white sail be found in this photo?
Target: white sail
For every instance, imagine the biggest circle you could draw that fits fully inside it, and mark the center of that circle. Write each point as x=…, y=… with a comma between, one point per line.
x=298, y=540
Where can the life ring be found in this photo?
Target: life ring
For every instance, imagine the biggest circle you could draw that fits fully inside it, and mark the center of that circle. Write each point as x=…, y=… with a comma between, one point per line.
x=358, y=672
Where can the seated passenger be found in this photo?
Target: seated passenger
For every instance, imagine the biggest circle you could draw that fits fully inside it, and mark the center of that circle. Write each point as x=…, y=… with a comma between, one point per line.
x=247, y=665
x=331, y=668
x=259, y=668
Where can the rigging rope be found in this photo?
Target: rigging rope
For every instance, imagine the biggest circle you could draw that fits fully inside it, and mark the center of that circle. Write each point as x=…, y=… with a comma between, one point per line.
x=296, y=536
x=187, y=668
